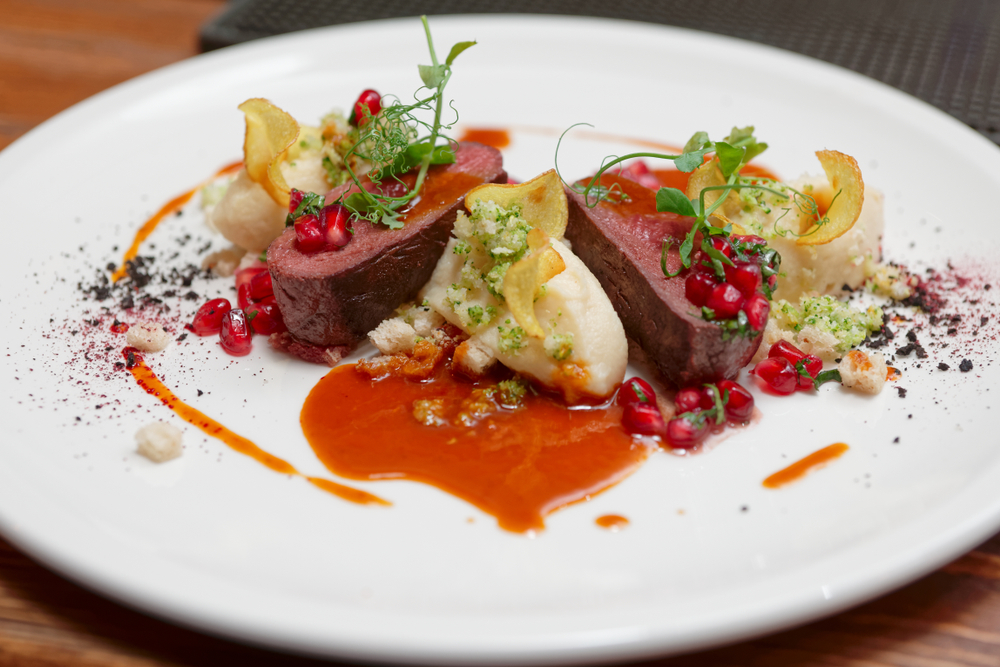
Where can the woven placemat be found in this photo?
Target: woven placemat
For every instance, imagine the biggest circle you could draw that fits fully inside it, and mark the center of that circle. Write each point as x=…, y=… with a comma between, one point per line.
x=946, y=52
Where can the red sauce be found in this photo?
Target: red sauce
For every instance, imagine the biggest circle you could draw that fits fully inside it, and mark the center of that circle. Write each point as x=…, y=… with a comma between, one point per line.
x=440, y=190
x=612, y=522
x=496, y=138
x=147, y=379
x=517, y=465
x=800, y=469
x=171, y=206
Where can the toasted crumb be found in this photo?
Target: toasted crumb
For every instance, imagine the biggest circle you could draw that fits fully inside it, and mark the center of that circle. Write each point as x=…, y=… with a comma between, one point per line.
x=224, y=263
x=863, y=372
x=148, y=337
x=159, y=441
x=393, y=336
x=473, y=358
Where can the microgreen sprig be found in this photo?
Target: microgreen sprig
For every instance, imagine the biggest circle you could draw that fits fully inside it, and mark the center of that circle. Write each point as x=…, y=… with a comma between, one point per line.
x=393, y=143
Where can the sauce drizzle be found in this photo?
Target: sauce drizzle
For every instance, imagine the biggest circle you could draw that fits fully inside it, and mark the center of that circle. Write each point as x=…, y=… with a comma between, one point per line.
x=171, y=206
x=497, y=138
x=612, y=522
x=146, y=378
x=801, y=468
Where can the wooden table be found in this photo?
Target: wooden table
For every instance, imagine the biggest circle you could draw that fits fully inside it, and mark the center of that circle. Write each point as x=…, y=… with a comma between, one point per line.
x=54, y=53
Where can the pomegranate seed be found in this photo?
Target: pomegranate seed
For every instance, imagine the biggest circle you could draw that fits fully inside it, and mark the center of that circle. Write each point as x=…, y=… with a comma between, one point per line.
x=243, y=299
x=722, y=244
x=745, y=277
x=338, y=218
x=697, y=288
x=643, y=419
x=706, y=398
x=701, y=264
x=208, y=319
x=685, y=433
x=265, y=318
x=739, y=403
x=813, y=366
x=369, y=101
x=244, y=276
x=772, y=281
x=725, y=301
x=294, y=199
x=637, y=168
x=235, y=336
x=785, y=349
x=309, y=234
x=636, y=390
x=118, y=327
x=750, y=240
x=260, y=286
x=777, y=374
x=687, y=400
x=757, y=308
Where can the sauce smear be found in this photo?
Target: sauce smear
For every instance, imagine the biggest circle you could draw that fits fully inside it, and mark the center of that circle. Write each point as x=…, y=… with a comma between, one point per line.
x=799, y=469
x=146, y=378
x=497, y=138
x=517, y=465
x=612, y=522
x=171, y=206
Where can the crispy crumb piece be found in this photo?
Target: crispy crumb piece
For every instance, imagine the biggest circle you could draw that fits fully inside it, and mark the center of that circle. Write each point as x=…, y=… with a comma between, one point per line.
x=148, y=336
x=863, y=372
x=224, y=263
x=393, y=336
x=159, y=441
x=473, y=358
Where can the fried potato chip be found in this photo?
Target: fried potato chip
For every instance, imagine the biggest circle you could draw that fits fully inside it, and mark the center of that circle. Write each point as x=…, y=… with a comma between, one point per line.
x=709, y=175
x=542, y=201
x=526, y=276
x=270, y=132
x=845, y=177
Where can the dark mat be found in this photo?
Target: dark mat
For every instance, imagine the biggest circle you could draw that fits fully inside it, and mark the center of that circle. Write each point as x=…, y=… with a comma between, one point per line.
x=946, y=52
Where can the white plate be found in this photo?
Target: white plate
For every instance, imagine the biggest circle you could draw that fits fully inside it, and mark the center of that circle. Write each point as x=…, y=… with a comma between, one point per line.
x=217, y=542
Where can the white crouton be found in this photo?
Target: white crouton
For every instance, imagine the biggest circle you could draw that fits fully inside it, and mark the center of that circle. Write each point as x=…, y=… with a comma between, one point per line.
x=147, y=336
x=224, y=263
x=473, y=357
x=424, y=320
x=811, y=340
x=393, y=336
x=863, y=372
x=159, y=441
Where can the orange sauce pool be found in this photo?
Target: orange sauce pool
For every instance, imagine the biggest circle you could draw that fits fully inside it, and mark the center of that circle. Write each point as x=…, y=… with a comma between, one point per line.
x=497, y=138
x=172, y=206
x=612, y=522
x=801, y=468
x=517, y=465
x=146, y=378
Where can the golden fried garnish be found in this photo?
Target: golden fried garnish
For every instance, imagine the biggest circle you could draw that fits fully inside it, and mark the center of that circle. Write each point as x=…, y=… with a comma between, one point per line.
x=845, y=178
x=526, y=276
x=270, y=131
x=709, y=175
x=420, y=364
x=542, y=201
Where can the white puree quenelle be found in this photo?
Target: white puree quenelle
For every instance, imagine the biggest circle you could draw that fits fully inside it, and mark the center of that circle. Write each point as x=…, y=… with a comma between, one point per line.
x=580, y=323
x=574, y=300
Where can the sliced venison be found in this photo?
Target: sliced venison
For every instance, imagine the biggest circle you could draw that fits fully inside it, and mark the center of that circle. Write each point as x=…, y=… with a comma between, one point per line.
x=621, y=244
x=332, y=299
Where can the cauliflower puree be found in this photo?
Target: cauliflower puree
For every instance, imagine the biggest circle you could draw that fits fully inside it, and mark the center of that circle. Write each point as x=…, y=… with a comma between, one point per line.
x=581, y=326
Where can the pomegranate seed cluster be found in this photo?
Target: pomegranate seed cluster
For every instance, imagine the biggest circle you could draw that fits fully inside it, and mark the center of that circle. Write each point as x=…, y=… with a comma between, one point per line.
x=699, y=411
x=730, y=280
x=788, y=369
x=318, y=227
x=256, y=312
